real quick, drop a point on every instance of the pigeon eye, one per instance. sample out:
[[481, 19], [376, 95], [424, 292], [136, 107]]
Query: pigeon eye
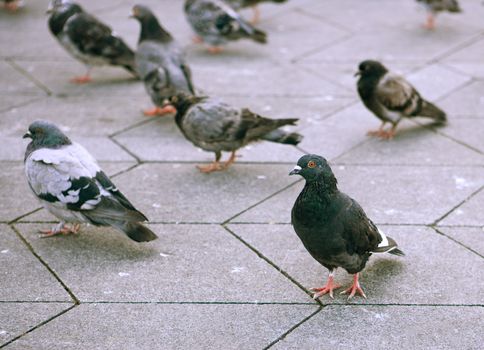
[[311, 164]]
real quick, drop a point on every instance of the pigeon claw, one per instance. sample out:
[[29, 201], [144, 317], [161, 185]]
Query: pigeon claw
[[60, 229], [81, 80], [326, 289], [354, 289], [197, 39], [215, 166], [215, 50], [159, 111]]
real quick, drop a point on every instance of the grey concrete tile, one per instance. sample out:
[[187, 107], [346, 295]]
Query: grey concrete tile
[[77, 116], [469, 53], [180, 193], [14, 83], [393, 44], [427, 274], [166, 327], [475, 70], [8, 102], [102, 148], [413, 144], [107, 80], [24, 278], [469, 213], [467, 130], [443, 328], [182, 265], [471, 237], [18, 318], [24, 201], [389, 194], [468, 101], [435, 81]]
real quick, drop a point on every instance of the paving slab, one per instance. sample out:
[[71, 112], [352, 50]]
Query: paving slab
[[18, 318], [427, 274], [100, 264], [387, 193], [469, 213], [470, 237], [15, 83], [24, 278], [401, 327], [166, 326], [190, 196], [467, 131], [467, 101], [8, 102]]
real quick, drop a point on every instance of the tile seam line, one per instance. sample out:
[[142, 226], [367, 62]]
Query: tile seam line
[[294, 327], [469, 197], [457, 48], [272, 264], [43, 323], [456, 241], [73, 297], [30, 77]]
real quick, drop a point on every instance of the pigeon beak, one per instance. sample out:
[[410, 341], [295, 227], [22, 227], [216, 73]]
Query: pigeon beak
[[357, 74], [28, 135], [296, 170]]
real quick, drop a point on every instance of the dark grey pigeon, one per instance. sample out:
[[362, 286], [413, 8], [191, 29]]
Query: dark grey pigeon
[[239, 4], [216, 126], [160, 62], [391, 98], [435, 6], [333, 227], [70, 185], [216, 23], [87, 39]]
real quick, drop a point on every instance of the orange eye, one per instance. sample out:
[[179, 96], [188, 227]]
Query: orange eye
[[311, 164]]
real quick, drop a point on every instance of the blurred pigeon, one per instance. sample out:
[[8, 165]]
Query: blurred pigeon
[[13, 5], [160, 62], [435, 6], [333, 227], [70, 185], [217, 23], [239, 4], [87, 39], [390, 97], [216, 126]]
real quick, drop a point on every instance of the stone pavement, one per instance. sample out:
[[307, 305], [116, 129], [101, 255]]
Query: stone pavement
[[227, 271]]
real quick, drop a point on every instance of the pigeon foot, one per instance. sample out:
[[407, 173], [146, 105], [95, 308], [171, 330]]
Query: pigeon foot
[[215, 50], [159, 111], [230, 161], [327, 288], [430, 23], [354, 289], [12, 6], [81, 80], [197, 39], [215, 166], [256, 17], [387, 135], [60, 229]]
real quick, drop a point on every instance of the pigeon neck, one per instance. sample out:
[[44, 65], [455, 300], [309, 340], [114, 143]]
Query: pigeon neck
[[324, 185], [51, 143], [183, 104], [59, 18], [151, 30]]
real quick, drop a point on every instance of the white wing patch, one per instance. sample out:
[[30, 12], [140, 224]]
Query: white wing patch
[[384, 239]]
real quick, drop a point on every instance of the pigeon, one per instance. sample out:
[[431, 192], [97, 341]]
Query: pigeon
[[215, 126], [216, 23], [87, 39], [160, 63], [333, 227], [70, 185], [435, 6], [390, 97], [239, 4]]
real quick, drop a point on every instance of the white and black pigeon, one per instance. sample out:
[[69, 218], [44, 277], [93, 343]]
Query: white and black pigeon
[[160, 63], [215, 126], [391, 98], [216, 23], [70, 185], [239, 4], [435, 6], [333, 227], [87, 39]]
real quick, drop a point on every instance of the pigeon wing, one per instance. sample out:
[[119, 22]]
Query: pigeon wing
[[398, 95]]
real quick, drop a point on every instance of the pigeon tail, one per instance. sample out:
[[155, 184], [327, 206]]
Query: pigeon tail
[[280, 136], [388, 245], [131, 68], [432, 111], [259, 36], [136, 231]]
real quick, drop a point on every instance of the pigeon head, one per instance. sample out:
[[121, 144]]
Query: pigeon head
[[150, 27], [314, 168], [62, 6], [183, 101], [45, 135], [371, 68]]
